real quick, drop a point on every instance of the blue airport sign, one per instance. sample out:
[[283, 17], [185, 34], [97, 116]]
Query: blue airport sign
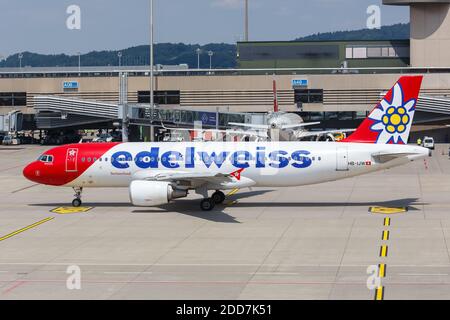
[[70, 85], [208, 118], [299, 83]]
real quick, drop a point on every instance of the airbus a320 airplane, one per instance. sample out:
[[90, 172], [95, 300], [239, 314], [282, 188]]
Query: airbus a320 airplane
[[157, 173]]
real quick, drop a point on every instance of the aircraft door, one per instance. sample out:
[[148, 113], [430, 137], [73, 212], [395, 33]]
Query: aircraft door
[[342, 159], [72, 160]]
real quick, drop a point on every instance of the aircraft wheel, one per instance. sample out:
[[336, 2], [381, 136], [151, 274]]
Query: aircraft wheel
[[207, 204], [218, 197], [76, 203]]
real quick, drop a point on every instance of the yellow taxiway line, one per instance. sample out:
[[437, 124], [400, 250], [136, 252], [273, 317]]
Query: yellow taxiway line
[[379, 293], [384, 251], [12, 234], [382, 270]]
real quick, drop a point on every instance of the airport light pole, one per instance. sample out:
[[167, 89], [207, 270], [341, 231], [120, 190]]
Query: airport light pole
[[119, 54], [79, 62], [246, 21], [199, 52], [20, 60], [210, 54], [152, 100]]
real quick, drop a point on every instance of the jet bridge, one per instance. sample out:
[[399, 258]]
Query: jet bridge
[[54, 112], [433, 104]]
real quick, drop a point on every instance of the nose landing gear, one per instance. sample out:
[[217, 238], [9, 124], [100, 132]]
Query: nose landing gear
[[77, 201]]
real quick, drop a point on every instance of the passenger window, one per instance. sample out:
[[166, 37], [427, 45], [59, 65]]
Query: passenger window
[[95, 159], [89, 159], [83, 159]]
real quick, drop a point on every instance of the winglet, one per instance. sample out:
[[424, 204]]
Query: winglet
[[237, 174]]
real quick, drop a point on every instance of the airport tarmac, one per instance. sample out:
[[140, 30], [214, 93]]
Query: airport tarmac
[[313, 242]]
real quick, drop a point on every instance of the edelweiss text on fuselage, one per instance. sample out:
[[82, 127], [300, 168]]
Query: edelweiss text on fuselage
[[243, 159]]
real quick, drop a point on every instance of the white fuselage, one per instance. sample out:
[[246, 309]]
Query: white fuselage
[[264, 164]]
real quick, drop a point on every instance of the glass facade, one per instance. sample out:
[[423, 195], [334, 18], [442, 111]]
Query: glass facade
[[308, 96], [283, 52], [329, 116], [13, 99], [376, 51], [161, 97]]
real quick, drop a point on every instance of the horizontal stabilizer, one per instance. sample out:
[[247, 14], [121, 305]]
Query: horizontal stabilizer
[[383, 157]]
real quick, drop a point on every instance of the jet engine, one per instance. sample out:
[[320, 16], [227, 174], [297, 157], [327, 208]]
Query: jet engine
[[154, 193]]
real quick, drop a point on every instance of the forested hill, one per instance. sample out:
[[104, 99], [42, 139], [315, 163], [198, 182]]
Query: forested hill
[[179, 53], [395, 32], [224, 56]]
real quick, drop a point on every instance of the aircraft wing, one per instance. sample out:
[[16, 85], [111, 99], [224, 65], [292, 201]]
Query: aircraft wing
[[299, 125], [267, 127], [257, 134], [305, 134], [199, 177], [251, 126]]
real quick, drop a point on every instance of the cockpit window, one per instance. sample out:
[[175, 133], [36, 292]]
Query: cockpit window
[[46, 158]]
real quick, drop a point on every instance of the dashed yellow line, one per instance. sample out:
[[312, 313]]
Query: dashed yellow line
[[384, 251], [382, 270], [12, 234], [379, 293]]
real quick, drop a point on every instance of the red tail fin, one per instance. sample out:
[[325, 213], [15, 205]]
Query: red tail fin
[[275, 97], [390, 122]]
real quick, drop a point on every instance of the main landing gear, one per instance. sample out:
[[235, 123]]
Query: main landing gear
[[208, 204], [218, 197], [77, 201]]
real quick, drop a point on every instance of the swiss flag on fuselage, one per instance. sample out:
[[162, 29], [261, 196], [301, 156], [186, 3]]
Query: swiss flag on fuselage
[[71, 159]]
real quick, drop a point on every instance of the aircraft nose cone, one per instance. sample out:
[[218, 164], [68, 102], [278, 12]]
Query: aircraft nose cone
[[30, 172]]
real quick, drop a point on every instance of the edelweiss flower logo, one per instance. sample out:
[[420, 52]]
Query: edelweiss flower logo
[[392, 119]]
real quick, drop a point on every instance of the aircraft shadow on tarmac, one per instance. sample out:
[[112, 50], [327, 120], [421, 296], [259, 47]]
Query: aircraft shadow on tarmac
[[185, 207], [399, 203], [191, 208]]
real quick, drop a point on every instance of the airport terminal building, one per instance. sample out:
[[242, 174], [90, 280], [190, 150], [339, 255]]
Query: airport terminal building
[[335, 82]]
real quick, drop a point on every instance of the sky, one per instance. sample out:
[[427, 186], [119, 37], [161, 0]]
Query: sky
[[40, 25]]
